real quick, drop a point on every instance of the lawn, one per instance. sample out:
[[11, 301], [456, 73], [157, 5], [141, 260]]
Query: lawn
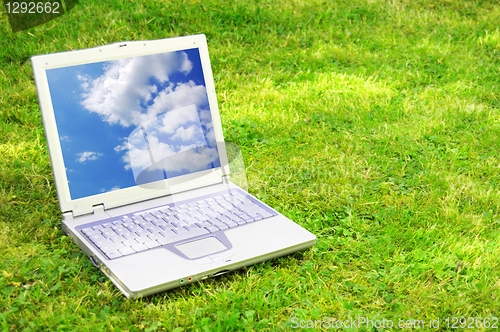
[[375, 124]]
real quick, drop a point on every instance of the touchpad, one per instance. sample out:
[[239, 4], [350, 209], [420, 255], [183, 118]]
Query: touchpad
[[206, 246]]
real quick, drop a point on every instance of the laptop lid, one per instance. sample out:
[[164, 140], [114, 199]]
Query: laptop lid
[[130, 121]]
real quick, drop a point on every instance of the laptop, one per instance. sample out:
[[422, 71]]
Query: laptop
[[142, 171]]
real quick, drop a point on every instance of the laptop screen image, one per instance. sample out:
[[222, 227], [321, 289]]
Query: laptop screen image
[[132, 121]]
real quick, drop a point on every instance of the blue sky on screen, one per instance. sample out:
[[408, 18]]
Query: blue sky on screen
[[132, 121]]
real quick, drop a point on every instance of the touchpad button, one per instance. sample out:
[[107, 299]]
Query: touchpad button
[[203, 247]]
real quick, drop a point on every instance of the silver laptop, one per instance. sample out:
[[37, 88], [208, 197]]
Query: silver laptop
[[141, 168]]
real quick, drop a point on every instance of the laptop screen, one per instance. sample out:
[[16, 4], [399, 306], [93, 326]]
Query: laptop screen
[[132, 121]]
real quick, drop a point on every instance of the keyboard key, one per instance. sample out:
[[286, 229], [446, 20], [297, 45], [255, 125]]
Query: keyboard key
[[183, 216], [128, 223], [130, 243], [151, 244], [167, 233], [134, 228], [155, 237], [109, 235], [191, 227], [202, 218], [101, 244], [264, 214], [110, 246], [246, 218], [126, 251], [165, 227], [231, 224], [222, 226], [258, 210], [147, 225], [240, 222], [212, 228], [159, 222], [148, 217], [113, 254], [224, 219], [122, 231], [130, 236], [87, 230], [96, 238], [180, 230], [116, 238], [234, 217], [139, 247], [255, 216]]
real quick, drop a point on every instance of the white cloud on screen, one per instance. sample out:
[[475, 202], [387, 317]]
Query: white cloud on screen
[[119, 95], [112, 189], [173, 98], [87, 155], [188, 133]]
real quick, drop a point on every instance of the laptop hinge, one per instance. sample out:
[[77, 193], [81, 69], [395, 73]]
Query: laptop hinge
[[98, 208], [67, 216], [225, 179], [95, 209]]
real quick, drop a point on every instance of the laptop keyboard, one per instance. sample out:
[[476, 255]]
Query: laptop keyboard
[[152, 228]]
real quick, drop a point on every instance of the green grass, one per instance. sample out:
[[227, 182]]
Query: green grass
[[374, 124]]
